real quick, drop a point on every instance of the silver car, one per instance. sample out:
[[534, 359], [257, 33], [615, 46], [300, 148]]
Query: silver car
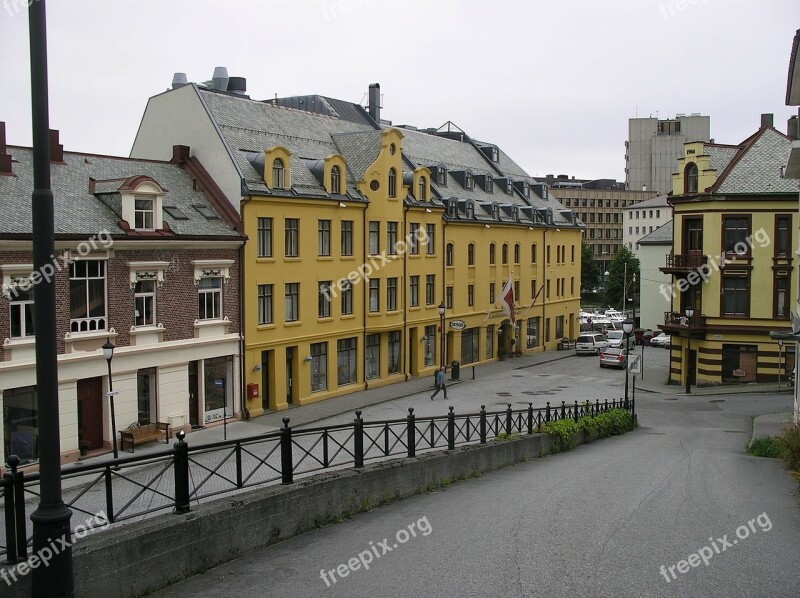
[[613, 358], [590, 344], [616, 339]]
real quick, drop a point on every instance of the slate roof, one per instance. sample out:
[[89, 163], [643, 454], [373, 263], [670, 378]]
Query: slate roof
[[720, 156], [79, 212], [249, 127], [756, 168], [660, 201], [661, 236]]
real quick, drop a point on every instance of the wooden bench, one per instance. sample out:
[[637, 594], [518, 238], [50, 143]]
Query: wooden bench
[[566, 343], [138, 433]]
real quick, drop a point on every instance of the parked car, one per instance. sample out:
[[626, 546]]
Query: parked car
[[642, 336], [613, 358], [617, 339], [662, 340], [590, 344]]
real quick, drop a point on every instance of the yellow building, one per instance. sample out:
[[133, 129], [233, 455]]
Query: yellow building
[[733, 261], [363, 239]]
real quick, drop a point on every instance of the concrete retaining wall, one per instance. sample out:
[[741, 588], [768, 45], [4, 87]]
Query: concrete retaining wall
[[138, 558]]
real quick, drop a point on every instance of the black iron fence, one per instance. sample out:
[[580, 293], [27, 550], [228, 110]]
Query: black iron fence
[[135, 487]]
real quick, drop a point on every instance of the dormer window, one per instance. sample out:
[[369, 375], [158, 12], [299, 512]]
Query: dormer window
[[392, 182], [527, 190], [441, 176], [469, 180], [509, 188], [515, 213], [495, 212], [278, 172], [470, 209], [144, 213], [489, 184], [495, 154], [336, 180], [452, 209], [423, 189]]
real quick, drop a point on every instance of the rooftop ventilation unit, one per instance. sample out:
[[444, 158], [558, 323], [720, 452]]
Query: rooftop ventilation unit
[[179, 80]]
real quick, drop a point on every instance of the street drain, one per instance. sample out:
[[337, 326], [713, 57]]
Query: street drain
[[671, 399], [503, 394], [717, 401]]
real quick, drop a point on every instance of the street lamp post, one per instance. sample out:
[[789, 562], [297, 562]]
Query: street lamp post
[[627, 328], [780, 360], [108, 353], [441, 329], [689, 314]]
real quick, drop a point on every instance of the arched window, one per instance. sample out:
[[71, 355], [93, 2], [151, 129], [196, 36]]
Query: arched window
[[336, 180], [516, 253], [690, 178], [278, 171], [491, 253], [504, 256], [423, 192], [392, 183], [533, 253], [471, 254], [449, 255]]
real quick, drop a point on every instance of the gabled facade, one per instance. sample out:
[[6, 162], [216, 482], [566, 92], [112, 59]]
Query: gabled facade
[[733, 261], [144, 259], [358, 232]]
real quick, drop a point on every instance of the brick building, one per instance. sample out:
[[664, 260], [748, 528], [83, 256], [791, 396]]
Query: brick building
[[146, 258]]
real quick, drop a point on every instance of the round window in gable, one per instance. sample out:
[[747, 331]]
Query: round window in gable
[[374, 185], [392, 149]]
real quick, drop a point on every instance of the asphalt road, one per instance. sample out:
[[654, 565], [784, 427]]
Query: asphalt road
[[600, 520]]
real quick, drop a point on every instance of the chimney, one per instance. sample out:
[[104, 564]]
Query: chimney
[[5, 157], [220, 78], [56, 149], [766, 120], [179, 80], [180, 153], [793, 127], [375, 102], [237, 85]]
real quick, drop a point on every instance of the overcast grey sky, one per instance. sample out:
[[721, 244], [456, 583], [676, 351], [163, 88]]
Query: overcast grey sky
[[552, 82]]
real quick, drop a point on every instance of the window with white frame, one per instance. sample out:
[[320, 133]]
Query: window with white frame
[[392, 183], [374, 295], [144, 213], [430, 289], [87, 296], [414, 291], [430, 233], [265, 304], [413, 241], [374, 237], [336, 180], [209, 296], [391, 238], [423, 189], [21, 311], [144, 300], [347, 237], [278, 174], [391, 294]]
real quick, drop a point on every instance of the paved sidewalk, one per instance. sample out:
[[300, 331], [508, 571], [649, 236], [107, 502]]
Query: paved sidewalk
[[656, 373]]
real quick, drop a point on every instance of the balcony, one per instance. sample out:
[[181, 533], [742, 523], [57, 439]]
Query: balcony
[[681, 263], [676, 322]]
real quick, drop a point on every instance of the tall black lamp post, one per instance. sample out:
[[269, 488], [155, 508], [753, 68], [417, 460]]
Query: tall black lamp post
[[689, 314], [627, 328], [51, 519], [441, 335], [108, 353], [780, 360]]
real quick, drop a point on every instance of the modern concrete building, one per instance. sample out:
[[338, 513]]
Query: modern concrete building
[[654, 145], [643, 218]]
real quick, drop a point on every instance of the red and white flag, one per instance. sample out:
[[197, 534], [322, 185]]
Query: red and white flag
[[507, 301]]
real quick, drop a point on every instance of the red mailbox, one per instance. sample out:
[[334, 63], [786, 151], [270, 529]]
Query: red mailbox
[[252, 391]]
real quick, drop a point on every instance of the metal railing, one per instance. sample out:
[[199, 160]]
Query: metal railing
[[135, 487]]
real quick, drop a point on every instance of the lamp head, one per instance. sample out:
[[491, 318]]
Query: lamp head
[[689, 312], [441, 309], [627, 326], [108, 350]]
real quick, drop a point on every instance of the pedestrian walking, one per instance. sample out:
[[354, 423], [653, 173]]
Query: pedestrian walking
[[440, 385]]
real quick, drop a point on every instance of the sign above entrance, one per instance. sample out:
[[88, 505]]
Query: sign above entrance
[[458, 324]]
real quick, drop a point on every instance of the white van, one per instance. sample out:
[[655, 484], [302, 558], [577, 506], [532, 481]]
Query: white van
[[590, 344]]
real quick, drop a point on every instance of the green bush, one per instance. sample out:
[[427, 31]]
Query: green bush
[[766, 446], [791, 445], [612, 422]]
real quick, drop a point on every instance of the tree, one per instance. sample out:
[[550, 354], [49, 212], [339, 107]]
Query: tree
[[590, 270], [616, 278]]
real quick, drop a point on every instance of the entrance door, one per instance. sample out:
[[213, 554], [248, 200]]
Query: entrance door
[[265, 390], [90, 412], [194, 402], [289, 374], [692, 363], [693, 240]]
